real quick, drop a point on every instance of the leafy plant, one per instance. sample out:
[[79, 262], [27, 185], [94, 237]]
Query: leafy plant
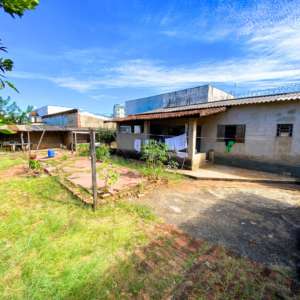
[[18, 7], [83, 150], [102, 153], [156, 156], [111, 176], [35, 165], [106, 135], [64, 157]]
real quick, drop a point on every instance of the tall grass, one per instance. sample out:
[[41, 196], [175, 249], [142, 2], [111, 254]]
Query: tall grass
[[72, 256]]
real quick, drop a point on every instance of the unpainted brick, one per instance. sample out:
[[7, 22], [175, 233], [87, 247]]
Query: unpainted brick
[[140, 254]]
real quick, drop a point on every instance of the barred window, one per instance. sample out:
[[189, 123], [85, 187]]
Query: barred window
[[284, 130]]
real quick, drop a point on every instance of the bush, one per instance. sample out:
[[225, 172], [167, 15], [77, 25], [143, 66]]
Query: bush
[[156, 156], [102, 153], [83, 150], [107, 135]]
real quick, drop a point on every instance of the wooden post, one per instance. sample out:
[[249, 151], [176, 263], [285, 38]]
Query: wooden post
[[22, 141], [28, 141], [75, 141], [94, 170], [39, 142], [72, 142]]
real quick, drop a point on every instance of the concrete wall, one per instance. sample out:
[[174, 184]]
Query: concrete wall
[[261, 143], [201, 94], [86, 121]]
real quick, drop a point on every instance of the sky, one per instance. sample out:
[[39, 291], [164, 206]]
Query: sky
[[93, 54]]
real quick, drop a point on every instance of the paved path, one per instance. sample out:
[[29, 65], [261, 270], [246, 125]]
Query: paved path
[[246, 217], [226, 173]]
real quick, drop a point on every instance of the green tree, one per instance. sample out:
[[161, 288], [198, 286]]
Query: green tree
[[11, 114], [18, 7]]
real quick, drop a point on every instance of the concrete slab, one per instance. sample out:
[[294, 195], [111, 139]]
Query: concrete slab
[[225, 173]]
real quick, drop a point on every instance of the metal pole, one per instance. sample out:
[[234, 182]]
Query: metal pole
[[94, 170]]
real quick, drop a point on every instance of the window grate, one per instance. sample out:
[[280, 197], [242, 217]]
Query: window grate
[[284, 130]]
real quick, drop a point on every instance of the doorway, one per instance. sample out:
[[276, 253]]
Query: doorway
[[198, 138]]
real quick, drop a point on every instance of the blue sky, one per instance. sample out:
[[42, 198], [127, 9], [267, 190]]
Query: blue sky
[[92, 54]]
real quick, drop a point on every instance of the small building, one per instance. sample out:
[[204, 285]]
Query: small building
[[259, 133], [71, 118], [52, 137]]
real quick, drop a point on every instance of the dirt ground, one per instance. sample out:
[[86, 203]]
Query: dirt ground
[[257, 221]]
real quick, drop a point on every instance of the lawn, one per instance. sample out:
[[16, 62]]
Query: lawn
[[53, 247]]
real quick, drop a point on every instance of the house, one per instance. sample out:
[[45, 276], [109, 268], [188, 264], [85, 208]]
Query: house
[[67, 117], [264, 132]]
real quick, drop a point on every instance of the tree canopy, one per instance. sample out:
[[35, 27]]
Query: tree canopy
[[18, 7]]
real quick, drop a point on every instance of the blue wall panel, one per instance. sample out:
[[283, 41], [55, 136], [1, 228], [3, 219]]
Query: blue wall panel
[[57, 121], [145, 104]]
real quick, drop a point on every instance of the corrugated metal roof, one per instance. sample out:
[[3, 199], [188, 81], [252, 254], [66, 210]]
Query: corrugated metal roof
[[19, 128], [170, 115], [241, 101]]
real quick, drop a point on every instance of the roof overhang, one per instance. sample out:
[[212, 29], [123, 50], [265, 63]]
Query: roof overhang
[[197, 113]]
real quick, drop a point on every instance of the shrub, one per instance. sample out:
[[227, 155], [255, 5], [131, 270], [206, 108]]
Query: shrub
[[102, 153], [156, 156], [83, 150], [111, 176], [107, 135], [64, 157], [35, 165]]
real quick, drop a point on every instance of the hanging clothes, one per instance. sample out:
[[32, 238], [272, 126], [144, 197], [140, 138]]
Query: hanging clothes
[[229, 145], [180, 142], [170, 143], [182, 154], [137, 145]]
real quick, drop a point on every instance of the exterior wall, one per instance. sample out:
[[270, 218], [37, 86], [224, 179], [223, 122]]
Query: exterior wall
[[86, 121], [72, 120], [261, 143], [201, 94], [57, 121], [50, 109]]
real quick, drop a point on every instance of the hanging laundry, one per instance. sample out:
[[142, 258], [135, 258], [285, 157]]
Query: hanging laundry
[[146, 142], [180, 142], [170, 143], [230, 143], [137, 145], [182, 154]]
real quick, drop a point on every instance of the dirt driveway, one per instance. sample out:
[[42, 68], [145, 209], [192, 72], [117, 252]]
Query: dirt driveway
[[257, 221]]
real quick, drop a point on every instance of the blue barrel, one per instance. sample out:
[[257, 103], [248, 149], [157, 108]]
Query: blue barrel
[[50, 153]]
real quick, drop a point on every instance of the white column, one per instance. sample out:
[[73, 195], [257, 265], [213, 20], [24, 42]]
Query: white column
[[192, 139]]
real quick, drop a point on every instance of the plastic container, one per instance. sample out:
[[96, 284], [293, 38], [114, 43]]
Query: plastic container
[[50, 153], [60, 145]]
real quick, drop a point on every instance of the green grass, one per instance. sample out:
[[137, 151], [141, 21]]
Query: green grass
[[10, 160], [76, 254]]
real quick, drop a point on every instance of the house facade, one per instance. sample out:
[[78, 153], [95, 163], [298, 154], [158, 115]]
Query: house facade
[[264, 132]]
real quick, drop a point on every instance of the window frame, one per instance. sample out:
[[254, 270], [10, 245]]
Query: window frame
[[238, 140], [290, 132]]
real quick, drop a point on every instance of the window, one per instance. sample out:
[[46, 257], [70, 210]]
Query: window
[[176, 130], [284, 130], [126, 129], [231, 132]]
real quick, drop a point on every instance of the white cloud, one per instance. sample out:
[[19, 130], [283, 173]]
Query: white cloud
[[103, 96]]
